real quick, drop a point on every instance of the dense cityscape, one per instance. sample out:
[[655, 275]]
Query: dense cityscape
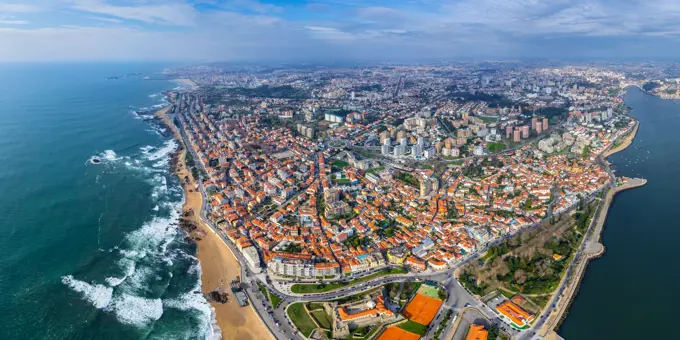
[[400, 202]]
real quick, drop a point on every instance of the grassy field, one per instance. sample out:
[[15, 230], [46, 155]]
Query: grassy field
[[263, 290], [505, 293], [340, 164], [375, 170], [356, 297], [302, 321], [273, 298], [429, 291], [305, 288], [496, 147], [322, 318], [409, 179], [413, 327], [341, 180], [488, 119], [362, 333], [314, 305]]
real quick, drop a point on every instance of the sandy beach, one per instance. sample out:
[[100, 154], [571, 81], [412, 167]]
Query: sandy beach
[[186, 82], [624, 144], [219, 267]]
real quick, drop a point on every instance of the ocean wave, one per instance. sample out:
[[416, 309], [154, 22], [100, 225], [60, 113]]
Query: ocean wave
[[146, 148], [163, 152], [97, 294], [194, 300], [160, 186], [140, 280], [138, 291], [136, 310], [107, 155], [154, 232]]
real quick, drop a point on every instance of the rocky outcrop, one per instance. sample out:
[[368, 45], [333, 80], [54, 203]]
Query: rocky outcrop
[[218, 296]]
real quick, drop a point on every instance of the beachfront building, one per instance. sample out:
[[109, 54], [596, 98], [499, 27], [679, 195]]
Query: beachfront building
[[252, 257], [293, 265]]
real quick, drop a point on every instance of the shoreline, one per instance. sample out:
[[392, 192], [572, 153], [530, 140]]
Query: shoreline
[[186, 82], [557, 316], [218, 265], [624, 144]]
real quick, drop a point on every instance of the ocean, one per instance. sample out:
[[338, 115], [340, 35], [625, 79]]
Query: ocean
[[92, 251], [628, 293]]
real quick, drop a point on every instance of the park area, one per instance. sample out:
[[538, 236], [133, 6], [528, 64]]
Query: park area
[[531, 263], [306, 288], [301, 319]]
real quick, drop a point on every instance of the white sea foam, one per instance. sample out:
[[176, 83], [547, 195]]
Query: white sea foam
[[136, 310], [146, 148], [139, 280], [168, 147], [194, 300], [160, 186], [115, 281], [152, 233], [109, 155], [148, 253], [128, 265], [98, 295]]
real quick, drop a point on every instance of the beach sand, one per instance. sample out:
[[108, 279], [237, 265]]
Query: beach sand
[[186, 82], [624, 144], [219, 266]]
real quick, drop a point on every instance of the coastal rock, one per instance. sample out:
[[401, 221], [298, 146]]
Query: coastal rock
[[218, 296], [187, 225]]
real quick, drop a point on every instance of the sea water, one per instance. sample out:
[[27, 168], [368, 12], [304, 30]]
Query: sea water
[[92, 249]]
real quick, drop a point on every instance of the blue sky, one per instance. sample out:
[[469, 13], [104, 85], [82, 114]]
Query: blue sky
[[336, 30]]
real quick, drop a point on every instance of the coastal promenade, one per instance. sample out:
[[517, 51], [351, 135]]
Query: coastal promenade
[[591, 249], [556, 309], [624, 143]]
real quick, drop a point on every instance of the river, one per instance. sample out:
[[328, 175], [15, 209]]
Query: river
[[628, 293]]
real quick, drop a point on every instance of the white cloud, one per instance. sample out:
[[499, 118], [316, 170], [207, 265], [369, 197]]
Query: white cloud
[[319, 28], [18, 8], [110, 20], [493, 28], [180, 14], [14, 22]]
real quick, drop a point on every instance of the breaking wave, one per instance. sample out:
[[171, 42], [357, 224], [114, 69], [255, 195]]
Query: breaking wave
[[96, 294], [140, 285]]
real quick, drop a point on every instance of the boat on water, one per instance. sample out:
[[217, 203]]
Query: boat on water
[[95, 160]]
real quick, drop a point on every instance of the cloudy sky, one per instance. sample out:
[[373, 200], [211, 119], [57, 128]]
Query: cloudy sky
[[371, 30]]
